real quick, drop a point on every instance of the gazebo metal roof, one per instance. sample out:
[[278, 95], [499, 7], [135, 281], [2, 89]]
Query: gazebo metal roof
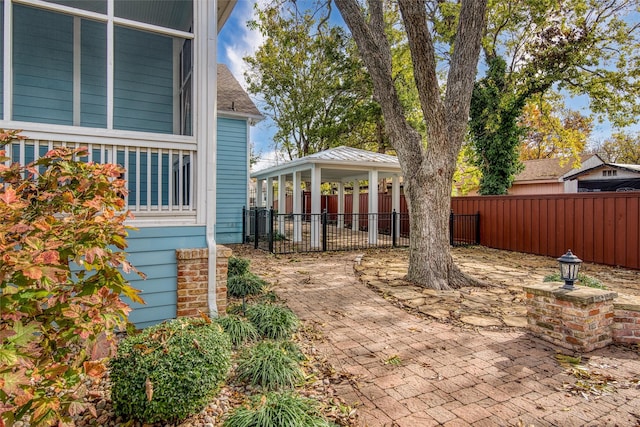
[[337, 164]]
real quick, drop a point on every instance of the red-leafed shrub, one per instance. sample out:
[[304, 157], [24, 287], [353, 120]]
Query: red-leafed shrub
[[62, 234]]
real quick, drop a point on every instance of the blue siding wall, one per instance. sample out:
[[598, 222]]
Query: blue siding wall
[[1, 62], [231, 179], [43, 66], [153, 251], [143, 85], [93, 79]]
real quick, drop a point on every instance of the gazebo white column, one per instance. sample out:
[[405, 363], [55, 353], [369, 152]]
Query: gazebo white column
[[269, 193], [355, 210], [297, 207], [259, 184], [395, 201], [340, 223], [282, 202], [316, 206], [373, 207]]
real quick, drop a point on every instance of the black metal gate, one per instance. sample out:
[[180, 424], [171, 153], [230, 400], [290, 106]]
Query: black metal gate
[[268, 230]]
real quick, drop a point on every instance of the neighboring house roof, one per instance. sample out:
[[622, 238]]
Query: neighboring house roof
[[547, 169], [232, 98], [620, 166]]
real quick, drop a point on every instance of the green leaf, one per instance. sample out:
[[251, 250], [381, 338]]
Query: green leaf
[[8, 355], [24, 334]]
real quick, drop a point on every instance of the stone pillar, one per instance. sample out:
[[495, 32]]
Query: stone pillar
[[579, 319], [192, 266]]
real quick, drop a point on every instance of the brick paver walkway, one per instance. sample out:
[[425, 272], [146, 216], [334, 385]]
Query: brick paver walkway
[[411, 371]]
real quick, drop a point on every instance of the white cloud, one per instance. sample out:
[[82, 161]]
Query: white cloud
[[244, 43], [267, 160]]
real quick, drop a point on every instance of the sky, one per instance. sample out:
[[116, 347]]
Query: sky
[[236, 41]]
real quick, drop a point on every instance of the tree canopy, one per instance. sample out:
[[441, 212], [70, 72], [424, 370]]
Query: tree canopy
[[620, 148], [310, 81], [552, 130], [572, 47]]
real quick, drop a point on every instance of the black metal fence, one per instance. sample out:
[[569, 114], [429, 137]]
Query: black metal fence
[[286, 233]]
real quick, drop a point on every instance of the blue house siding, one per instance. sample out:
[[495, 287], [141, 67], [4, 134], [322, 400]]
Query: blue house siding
[[143, 81], [231, 179], [152, 251], [42, 66], [93, 79]]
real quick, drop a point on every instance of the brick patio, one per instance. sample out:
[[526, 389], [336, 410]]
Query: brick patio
[[446, 375]]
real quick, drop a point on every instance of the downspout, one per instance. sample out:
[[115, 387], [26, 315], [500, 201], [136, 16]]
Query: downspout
[[208, 117], [211, 170]]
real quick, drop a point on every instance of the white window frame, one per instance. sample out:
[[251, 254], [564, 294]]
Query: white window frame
[[111, 20]]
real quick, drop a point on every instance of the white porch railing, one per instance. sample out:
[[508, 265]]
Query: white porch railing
[[160, 181]]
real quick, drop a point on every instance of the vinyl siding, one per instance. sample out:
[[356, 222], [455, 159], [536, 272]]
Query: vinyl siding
[[143, 81], [93, 79], [152, 251], [2, 61], [231, 179], [43, 66]]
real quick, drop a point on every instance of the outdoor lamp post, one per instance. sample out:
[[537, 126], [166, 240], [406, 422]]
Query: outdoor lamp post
[[569, 267]]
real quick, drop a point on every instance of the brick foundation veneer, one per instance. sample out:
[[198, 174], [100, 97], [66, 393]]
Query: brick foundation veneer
[[626, 320], [580, 319], [193, 280]]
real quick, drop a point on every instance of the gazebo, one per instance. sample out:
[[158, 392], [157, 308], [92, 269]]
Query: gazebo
[[341, 165]]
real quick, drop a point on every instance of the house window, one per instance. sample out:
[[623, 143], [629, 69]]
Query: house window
[[609, 172], [186, 70], [63, 74]]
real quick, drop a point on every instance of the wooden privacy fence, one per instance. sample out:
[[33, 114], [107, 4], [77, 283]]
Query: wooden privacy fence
[[598, 227]]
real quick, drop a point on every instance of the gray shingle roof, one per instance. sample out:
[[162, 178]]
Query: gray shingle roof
[[232, 98], [546, 169]]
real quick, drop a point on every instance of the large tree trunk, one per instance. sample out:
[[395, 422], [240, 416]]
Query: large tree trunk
[[428, 172]]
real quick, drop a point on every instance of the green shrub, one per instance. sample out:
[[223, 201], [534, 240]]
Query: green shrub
[[235, 308], [273, 321], [583, 280], [62, 241], [292, 349], [269, 297], [237, 266], [239, 330], [269, 365], [244, 285], [277, 410], [169, 371]]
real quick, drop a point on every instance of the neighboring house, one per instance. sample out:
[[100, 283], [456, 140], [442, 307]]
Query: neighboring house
[[551, 176], [545, 176], [604, 177], [136, 82]]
